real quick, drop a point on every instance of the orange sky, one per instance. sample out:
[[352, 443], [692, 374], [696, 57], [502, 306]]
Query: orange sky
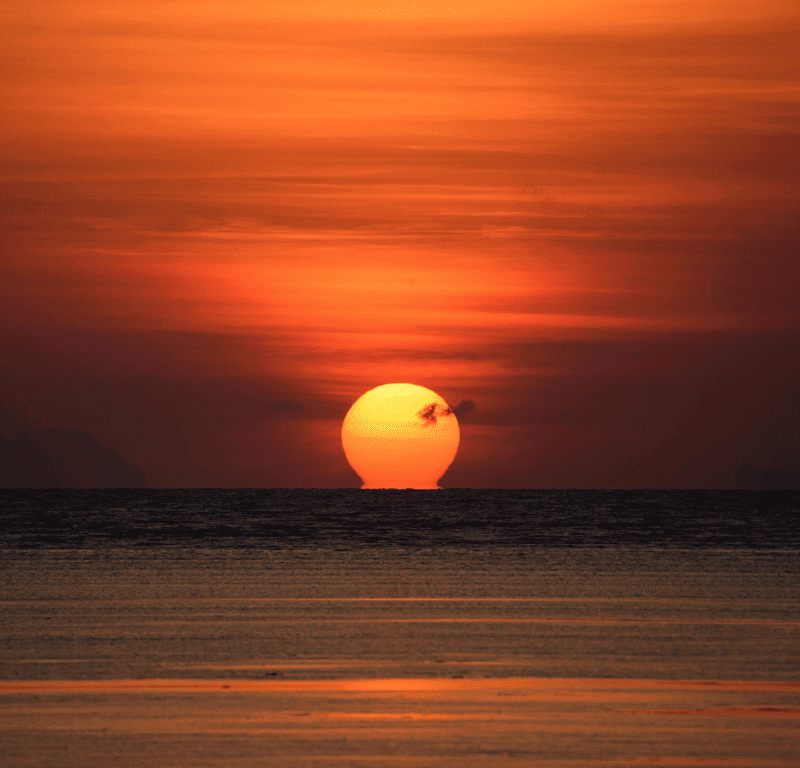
[[223, 222]]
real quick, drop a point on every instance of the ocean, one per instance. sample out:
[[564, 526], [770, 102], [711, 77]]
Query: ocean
[[252, 627]]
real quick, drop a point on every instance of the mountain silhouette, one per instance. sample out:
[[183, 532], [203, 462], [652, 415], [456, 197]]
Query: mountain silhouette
[[62, 458]]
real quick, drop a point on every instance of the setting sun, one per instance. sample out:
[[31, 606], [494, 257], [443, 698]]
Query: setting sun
[[400, 436]]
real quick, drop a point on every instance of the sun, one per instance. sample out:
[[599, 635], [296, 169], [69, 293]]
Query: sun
[[400, 436]]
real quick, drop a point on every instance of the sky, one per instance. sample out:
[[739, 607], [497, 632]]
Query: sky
[[224, 222]]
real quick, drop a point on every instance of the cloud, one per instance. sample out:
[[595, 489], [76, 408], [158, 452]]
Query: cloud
[[462, 409], [430, 413]]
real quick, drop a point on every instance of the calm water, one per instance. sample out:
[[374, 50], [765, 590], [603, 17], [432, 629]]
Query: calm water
[[489, 595], [350, 520]]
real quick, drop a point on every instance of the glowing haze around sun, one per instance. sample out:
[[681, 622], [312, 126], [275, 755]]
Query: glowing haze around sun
[[400, 436]]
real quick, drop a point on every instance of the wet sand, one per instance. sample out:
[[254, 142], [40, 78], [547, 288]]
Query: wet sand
[[407, 721]]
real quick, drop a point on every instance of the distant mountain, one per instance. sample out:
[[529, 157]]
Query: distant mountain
[[771, 479], [62, 458]]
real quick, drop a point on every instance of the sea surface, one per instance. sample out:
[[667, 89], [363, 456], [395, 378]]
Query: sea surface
[[429, 628]]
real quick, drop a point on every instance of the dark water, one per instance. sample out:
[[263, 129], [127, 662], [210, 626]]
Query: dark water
[[404, 591], [248, 583], [481, 520]]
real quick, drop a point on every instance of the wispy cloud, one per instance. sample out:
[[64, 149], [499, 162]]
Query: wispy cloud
[[320, 200]]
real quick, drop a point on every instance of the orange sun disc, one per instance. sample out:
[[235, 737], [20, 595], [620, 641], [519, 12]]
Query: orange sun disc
[[400, 436]]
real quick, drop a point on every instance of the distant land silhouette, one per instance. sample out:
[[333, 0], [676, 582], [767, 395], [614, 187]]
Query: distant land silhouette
[[62, 458], [770, 479]]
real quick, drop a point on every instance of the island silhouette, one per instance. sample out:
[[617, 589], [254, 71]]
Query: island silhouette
[[62, 458]]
